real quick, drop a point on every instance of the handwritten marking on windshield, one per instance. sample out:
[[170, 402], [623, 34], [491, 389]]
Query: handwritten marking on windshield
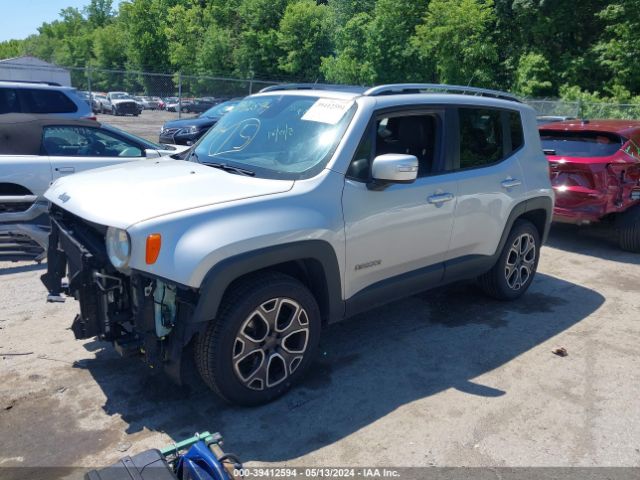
[[280, 133]]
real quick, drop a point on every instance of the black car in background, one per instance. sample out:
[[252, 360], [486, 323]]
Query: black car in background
[[187, 131]]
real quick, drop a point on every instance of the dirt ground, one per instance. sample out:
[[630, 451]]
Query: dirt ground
[[147, 125], [446, 378]]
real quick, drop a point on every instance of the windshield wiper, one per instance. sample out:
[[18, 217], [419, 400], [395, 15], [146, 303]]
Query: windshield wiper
[[231, 169]]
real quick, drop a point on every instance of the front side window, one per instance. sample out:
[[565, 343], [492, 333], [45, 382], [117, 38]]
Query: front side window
[[410, 134], [480, 137], [67, 141], [277, 136], [45, 101]]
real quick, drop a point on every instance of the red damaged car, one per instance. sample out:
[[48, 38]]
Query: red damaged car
[[595, 172]]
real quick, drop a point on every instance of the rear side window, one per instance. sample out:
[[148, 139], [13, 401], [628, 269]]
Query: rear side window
[[45, 101], [481, 139], [580, 144]]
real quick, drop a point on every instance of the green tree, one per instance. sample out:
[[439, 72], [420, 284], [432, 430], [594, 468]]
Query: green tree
[[617, 51], [304, 37], [350, 65], [533, 76], [389, 50], [11, 48], [456, 36]]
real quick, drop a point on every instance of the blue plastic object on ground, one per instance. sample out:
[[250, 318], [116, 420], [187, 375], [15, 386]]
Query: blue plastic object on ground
[[199, 463]]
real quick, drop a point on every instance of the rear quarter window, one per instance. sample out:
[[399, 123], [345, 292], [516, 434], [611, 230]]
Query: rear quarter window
[[580, 144], [45, 101]]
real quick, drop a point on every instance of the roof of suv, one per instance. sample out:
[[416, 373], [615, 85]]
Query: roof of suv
[[621, 127], [41, 85], [392, 89]]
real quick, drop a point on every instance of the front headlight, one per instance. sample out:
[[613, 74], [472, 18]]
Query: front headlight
[[193, 129], [118, 247]]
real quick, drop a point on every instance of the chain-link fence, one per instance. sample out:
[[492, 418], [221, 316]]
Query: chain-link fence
[[586, 109], [168, 96]]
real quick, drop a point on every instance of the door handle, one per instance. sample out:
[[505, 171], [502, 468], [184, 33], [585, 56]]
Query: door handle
[[440, 198], [65, 169], [510, 182]]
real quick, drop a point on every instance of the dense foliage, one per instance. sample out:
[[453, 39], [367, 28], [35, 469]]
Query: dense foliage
[[537, 48]]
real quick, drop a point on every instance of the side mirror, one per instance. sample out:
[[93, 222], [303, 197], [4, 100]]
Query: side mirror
[[151, 153], [393, 168]]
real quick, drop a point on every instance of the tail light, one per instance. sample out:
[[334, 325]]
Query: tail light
[[90, 118]]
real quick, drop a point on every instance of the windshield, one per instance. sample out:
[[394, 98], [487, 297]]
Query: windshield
[[580, 143], [146, 143], [119, 96], [284, 137], [220, 109]]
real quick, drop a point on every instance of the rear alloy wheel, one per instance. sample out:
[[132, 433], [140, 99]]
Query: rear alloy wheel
[[262, 341], [513, 273]]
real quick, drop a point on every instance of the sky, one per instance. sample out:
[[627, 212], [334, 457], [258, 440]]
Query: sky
[[21, 18]]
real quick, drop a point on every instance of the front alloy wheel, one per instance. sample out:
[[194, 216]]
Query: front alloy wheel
[[262, 340], [271, 343]]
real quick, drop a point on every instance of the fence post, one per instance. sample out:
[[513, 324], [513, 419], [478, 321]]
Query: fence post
[[88, 74], [580, 112], [179, 95]]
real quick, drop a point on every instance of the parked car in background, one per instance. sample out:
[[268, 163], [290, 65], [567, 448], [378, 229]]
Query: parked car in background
[[148, 103], [97, 104], [544, 119], [302, 206], [595, 172], [42, 98], [199, 105], [187, 131], [160, 101], [36, 150], [121, 103], [175, 105]]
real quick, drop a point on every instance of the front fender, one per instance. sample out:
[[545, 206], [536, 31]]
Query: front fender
[[218, 279]]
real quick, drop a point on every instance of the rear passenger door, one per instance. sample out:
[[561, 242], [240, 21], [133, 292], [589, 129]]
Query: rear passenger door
[[73, 149], [490, 178]]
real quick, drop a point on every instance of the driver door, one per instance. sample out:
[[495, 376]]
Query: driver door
[[74, 149]]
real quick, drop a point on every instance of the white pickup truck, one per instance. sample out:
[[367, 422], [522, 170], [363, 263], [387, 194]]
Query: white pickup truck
[[35, 150]]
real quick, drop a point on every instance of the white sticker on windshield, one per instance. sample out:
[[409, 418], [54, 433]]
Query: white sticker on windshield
[[327, 110]]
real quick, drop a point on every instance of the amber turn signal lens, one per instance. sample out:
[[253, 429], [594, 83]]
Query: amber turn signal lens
[[154, 242]]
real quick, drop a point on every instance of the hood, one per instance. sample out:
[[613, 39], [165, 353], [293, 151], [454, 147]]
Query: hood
[[122, 195], [190, 122], [123, 100]]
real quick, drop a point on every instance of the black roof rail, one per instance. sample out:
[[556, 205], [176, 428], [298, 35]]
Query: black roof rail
[[38, 82], [407, 88], [314, 86]]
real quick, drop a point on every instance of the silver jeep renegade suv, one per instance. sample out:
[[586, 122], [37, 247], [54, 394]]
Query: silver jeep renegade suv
[[302, 206]]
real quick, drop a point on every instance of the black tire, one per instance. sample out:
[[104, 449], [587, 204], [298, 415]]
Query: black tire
[[628, 224], [504, 284], [229, 360]]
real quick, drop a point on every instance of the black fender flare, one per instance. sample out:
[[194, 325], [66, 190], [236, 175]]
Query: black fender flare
[[221, 275], [530, 205]]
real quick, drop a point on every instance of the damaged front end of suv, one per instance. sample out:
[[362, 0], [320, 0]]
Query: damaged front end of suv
[[138, 313]]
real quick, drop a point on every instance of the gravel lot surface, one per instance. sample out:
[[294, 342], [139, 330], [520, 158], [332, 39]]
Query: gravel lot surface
[[447, 378], [147, 125]]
